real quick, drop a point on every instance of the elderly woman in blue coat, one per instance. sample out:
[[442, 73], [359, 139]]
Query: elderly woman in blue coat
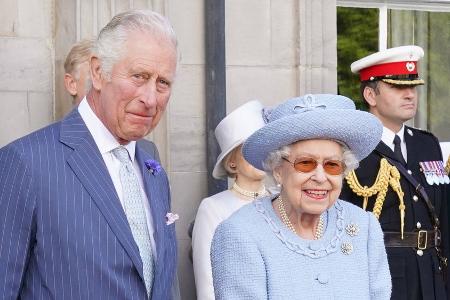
[[303, 242]]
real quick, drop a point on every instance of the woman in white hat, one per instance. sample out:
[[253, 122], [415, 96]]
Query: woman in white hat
[[248, 184], [305, 243]]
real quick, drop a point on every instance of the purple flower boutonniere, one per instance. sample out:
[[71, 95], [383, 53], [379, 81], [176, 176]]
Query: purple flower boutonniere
[[153, 166], [171, 218]]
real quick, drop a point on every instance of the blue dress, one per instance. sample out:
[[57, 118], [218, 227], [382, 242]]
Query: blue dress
[[255, 256]]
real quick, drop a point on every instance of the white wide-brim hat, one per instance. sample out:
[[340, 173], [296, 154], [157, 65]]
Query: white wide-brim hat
[[309, 117], [234, 129]]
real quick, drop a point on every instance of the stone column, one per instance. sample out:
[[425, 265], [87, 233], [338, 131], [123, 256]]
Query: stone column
[[317, 46]]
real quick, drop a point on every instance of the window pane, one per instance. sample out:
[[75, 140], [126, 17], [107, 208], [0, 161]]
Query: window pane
[[430, 31], [357, 36]]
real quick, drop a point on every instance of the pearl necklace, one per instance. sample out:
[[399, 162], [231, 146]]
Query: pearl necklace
[[248, 193], [284, 217]]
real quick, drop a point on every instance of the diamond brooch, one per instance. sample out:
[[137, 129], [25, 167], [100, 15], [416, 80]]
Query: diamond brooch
[[352, 229], [346, 248]]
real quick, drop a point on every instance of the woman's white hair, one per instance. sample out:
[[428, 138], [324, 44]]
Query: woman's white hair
[[109, 45], [275, 158]]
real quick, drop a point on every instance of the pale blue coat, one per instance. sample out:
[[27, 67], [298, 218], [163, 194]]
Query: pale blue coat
[[254, 256]]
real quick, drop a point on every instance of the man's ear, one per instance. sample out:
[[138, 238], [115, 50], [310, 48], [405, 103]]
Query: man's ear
[[370, 96], [96, 73], [70, 83]]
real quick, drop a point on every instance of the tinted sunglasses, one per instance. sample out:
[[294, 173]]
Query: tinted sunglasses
[[308, 164]]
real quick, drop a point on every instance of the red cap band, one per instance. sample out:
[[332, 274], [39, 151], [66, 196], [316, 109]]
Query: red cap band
[[394, 68]]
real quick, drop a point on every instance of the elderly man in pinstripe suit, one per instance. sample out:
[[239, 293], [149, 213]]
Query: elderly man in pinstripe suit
[[84, 210]]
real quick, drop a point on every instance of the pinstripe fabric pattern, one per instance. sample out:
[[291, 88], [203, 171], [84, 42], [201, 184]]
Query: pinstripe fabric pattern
[[63, 232]]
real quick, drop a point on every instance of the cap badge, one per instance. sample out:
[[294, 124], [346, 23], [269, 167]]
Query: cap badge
[[410, 66], [309, 103]]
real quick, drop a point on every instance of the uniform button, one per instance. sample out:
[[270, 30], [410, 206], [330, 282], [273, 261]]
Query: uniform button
[[322, 278], [415, 198], [409, 172], [418, 225], [419, 252]]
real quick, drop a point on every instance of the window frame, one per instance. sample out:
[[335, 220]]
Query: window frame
[[384, 5]]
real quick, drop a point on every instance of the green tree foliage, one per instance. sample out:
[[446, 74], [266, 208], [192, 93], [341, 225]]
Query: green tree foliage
[[357, 30], [439, 75]]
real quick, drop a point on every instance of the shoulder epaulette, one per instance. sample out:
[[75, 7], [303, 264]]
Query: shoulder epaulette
[[421, 130], [413, 130]]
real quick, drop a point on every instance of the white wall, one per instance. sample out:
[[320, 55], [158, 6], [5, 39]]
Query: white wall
[[26, 72]]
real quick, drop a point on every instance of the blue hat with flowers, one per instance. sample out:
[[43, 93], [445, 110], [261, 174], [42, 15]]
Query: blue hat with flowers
[[323, 116]]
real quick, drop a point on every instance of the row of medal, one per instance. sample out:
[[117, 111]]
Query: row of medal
[[434, 172]]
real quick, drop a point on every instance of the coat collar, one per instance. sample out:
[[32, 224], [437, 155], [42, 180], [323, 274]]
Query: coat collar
[[384, 150], [413, 144]]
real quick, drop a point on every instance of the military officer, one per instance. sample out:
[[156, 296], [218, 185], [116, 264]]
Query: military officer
[[403, 180]]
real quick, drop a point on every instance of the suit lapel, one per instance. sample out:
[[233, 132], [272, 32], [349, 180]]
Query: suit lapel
[[89, 167], [156, 194]]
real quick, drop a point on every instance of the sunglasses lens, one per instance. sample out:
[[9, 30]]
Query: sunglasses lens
[[305, 165], [333, 167]]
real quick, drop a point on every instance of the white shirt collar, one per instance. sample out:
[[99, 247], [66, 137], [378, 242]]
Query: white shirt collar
[[388, 136], [102, 136]]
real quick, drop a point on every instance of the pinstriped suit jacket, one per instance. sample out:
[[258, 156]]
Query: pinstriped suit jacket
[[63, 232]]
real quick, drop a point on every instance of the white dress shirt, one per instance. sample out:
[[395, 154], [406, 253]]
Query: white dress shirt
[[388, 138], [106, 142]]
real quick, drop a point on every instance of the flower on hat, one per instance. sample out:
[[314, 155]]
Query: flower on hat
[[171, 218], [153, 166], [308, 103]]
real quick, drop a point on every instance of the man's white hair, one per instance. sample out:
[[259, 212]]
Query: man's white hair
[[109, 45]]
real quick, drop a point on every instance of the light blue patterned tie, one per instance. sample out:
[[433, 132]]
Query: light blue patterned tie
[[134, 210]]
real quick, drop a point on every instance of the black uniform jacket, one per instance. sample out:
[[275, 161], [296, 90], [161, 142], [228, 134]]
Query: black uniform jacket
[[413, 276]]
